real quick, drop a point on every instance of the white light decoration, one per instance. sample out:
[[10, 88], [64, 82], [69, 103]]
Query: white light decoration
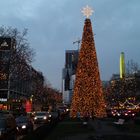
[[87, 11], [133, 105]]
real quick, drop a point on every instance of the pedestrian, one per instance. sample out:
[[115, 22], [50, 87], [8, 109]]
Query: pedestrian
[[86, 118], [78, 116]]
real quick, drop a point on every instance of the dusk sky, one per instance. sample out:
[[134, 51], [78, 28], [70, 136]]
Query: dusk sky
[[53, 25]]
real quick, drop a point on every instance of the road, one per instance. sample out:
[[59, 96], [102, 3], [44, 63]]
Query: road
[[36, 127], [40, 132]]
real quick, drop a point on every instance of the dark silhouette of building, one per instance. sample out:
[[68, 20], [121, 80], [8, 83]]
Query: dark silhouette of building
[[17, 81], [68, 74]]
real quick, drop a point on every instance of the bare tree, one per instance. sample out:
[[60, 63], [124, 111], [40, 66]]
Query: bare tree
[[22, 55], [132, 67], [23, 49]]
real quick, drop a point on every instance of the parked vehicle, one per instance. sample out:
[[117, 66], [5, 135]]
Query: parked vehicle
[[116, 113], [24, 125], [128, 114], [5, 113], [7, 128], [125, 114]]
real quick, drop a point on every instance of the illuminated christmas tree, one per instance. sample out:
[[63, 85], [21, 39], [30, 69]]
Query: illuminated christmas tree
[[88, 94]]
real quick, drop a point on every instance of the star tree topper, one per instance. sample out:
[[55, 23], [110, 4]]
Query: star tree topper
[[87, 11]]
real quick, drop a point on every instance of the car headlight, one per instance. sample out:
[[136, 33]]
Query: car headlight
[[133, 114], [35, 118], [17, 128], [119, 114], [44, 117], [23, 126], [126, 114]]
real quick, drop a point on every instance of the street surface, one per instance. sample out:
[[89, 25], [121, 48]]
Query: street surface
[[36, 126]]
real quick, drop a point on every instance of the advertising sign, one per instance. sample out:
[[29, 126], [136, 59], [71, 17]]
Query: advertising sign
[[5, 43], [28, 106]]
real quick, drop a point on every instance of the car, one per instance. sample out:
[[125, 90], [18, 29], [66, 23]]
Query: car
[[8, 128], [124, 113], [5, 113], [24, 125], [53, 115], [128, 114], [42, 117], [109, 113]]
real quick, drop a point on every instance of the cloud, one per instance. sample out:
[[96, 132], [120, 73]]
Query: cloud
[[53, 26]]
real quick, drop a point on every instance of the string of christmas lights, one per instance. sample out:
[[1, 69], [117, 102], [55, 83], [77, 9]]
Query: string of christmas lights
[[123, 90]]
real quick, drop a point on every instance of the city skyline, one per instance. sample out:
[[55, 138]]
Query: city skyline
[[53, 26]]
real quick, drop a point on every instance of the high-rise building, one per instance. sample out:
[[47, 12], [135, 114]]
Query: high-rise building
[[68, 74], [122, 65]]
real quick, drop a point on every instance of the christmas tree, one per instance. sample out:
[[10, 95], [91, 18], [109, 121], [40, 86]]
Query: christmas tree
[[88, 94]]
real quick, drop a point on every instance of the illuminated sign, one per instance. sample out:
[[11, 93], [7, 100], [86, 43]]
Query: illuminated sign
[[28, 106], [3, 76], [5, 43], [3, 99]]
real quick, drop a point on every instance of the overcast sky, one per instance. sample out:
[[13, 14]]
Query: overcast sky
[[53, 25]]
